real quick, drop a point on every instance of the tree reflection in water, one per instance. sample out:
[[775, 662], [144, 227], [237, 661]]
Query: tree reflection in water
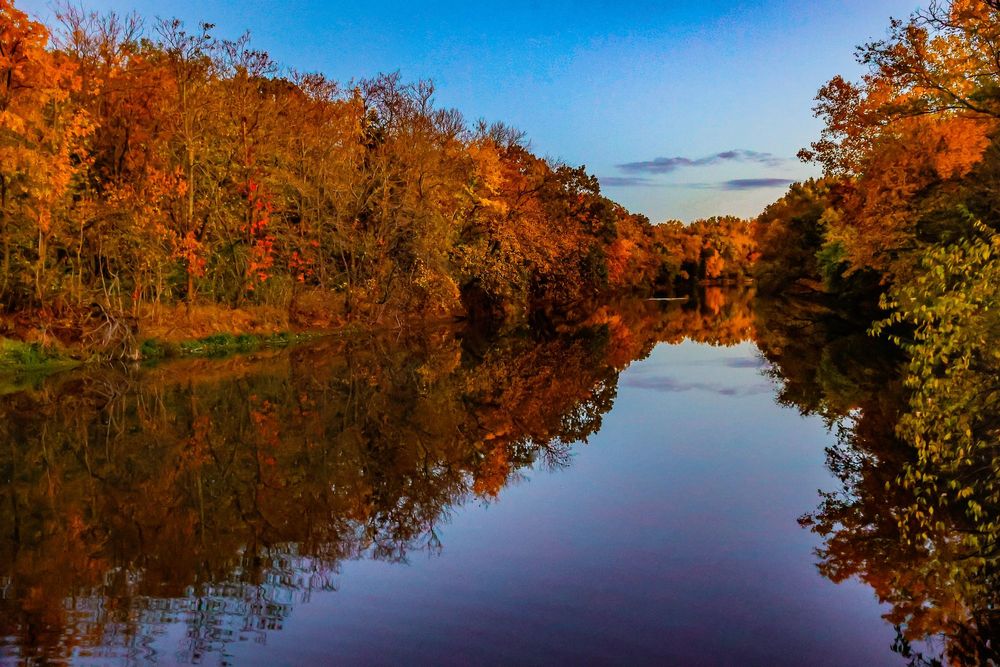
[[892, 523], [218, 495]]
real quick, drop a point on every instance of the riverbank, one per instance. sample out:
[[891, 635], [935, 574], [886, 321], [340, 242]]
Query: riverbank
[[43, 344], [19, 357], [22, 357], [39, 344]]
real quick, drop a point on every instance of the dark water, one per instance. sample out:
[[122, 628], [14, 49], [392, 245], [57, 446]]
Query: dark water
[[629, 491]]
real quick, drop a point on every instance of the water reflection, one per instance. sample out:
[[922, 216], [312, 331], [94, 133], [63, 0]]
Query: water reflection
[[220, 494], [936, 573], [196, 504]]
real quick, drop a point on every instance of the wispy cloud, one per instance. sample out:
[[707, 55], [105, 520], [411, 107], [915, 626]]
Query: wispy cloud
[[672, 385], [666, 165], [757, 362], [738, 184], [755, 183], [745, 362], [626, 181]]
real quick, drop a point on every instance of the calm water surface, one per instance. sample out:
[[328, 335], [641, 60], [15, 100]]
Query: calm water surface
[[628, 492]]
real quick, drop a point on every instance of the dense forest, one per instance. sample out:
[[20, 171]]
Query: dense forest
[[153, 173]]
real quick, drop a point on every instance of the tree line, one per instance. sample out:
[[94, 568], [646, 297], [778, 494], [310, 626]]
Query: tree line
[[148, 165]]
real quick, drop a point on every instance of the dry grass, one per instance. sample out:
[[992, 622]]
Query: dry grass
[[174, 324]]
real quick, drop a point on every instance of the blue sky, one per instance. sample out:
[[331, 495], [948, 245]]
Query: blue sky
[[683, 109]]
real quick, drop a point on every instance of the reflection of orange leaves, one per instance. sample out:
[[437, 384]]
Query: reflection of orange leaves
[[306, 405], [724, 318], [715, 299], [500, 427], [265, 422], [624, 345], [75, 526], [198, 450], [375, 440], [491, 476]]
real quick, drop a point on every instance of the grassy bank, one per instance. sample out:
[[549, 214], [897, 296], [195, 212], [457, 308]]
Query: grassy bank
[[219, 345], [20, 357], [22, 364], [20, 360]]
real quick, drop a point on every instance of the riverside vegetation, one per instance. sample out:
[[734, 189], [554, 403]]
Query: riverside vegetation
[[159, 183]]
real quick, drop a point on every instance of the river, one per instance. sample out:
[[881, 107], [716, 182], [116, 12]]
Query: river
[[640, 489]]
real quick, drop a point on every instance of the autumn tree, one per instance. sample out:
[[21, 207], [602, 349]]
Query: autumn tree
[[41, 144], [190, 114]]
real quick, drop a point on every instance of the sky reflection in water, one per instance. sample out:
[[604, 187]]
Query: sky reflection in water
[[671, 535]]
